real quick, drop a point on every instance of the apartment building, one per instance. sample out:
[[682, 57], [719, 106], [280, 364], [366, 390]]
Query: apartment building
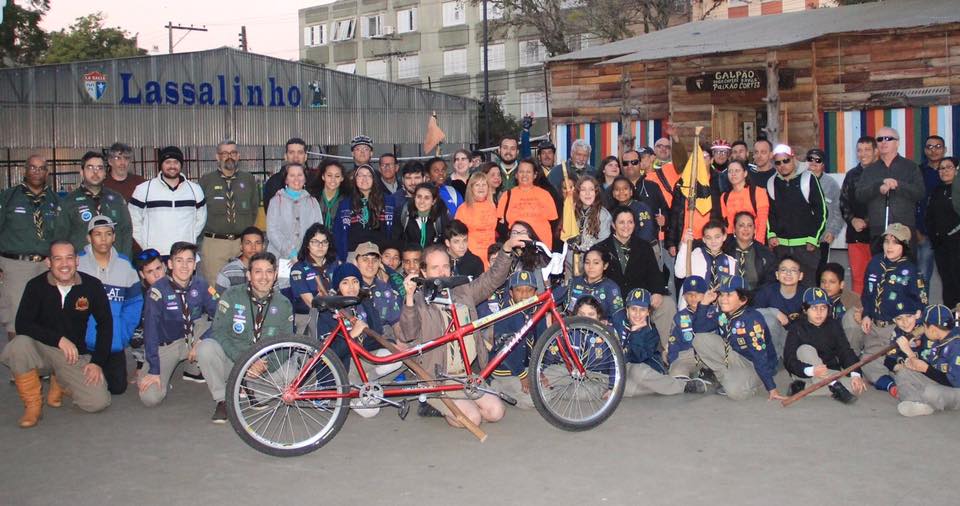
[[729, 9], [434, 44]]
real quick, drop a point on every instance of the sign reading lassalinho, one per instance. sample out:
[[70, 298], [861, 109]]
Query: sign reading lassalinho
[[728, 80]]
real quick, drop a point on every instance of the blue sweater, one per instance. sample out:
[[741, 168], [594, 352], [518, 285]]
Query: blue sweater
[[124, 293]]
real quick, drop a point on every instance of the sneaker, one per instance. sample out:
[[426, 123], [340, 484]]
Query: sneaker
[[893, 392], [841, 393], [220, 413], [708, 375], [196, 378], [797, 386], [426, 410], [695, 386], [912, 408], [721, 391]]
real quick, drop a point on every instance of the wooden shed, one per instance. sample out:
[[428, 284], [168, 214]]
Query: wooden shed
[[829, 75]]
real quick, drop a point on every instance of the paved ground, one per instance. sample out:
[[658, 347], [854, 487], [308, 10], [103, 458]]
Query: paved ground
[[654, 450]]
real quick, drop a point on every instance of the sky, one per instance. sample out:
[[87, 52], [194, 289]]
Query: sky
[[272, 31]]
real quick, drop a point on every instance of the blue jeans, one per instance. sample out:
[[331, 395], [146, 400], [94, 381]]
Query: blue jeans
[[925, 260]]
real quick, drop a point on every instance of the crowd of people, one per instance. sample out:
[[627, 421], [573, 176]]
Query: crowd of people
[[711, 281]]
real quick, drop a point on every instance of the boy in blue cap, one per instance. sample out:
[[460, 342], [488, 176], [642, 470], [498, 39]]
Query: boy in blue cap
[[699, 315], [816, 348], [932, 384], [911, 341], [510, 377], [645, 371], [739, 353]]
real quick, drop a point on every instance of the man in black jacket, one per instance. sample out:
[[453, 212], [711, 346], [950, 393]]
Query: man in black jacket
[[854, 212], [51, 329]]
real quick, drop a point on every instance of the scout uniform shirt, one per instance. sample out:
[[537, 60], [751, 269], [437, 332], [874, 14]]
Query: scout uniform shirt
[[232, 202], [169, 312], [27, 221], [890, 287], [81, 205], [242, 320]]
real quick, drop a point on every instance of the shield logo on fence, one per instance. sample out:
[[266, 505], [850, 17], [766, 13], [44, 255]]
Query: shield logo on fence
[[95, 84]]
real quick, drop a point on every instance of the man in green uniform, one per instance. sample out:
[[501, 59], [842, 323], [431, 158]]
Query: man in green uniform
[[245, 314], [27, 227], [91, 199], [232, 203]]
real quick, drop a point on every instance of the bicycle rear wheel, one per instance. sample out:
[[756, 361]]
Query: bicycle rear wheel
[[566, 399], [258, 413]]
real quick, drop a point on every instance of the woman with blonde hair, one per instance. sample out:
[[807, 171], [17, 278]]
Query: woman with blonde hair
[[479, 214]]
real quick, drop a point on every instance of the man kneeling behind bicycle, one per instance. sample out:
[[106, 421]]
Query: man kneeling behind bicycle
[[424, 321]]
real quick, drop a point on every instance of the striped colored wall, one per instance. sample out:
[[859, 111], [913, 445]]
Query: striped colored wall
[[604, 138], [840, 130]]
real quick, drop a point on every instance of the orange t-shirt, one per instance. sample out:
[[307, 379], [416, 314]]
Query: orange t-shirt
[[481, 220], [735, 201], [533, 205]]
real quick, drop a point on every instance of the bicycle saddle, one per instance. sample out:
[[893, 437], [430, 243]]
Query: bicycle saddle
[[334, 302], [443, 283]]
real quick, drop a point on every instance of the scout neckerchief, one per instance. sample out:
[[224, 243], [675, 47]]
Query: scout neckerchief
[[228, 195], [184, 308], [713, 259], [837, 308], [37, 200], [726, 329], [422, 221], [94, 197], [258, 309], [364, 211], [330, 206], [623, 254]]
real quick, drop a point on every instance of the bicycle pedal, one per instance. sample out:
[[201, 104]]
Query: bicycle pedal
[[506, 398], [404, 410]]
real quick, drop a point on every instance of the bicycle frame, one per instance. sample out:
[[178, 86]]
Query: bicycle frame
[[546, 306]]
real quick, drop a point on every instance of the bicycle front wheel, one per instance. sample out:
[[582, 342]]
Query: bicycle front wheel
[[260, 416], [564, 397]]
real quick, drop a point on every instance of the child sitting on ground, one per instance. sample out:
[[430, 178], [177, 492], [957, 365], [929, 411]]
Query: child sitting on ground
[[699, 315], [510, 377]]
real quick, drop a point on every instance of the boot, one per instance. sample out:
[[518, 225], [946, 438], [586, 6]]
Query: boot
[[28, 386], [56, 393]]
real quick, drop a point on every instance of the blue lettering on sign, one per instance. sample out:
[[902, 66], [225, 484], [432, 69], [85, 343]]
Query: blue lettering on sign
[[208, 93]]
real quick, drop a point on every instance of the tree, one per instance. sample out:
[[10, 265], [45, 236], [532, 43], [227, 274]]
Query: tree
[[88, 39], [22, 41], [502, 124]]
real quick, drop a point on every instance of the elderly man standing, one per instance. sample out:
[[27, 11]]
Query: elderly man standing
[[28, 214], [51, 328], [119, 178], [578, 165], [91, 199], [232, 204], [891, 187]]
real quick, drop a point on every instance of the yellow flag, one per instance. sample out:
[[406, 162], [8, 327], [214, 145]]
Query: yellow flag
[[696, 164], [569, 224]]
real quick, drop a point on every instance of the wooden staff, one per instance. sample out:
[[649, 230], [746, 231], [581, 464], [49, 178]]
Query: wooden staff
[[422, 373], [692, 194], [834, 377]]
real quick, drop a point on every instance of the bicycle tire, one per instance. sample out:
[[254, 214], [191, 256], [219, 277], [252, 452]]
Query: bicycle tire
[[544, 360], [249, 401]]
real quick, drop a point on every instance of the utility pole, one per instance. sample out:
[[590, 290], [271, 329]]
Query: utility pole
[[171, 27], [243, 38], [486, 82]]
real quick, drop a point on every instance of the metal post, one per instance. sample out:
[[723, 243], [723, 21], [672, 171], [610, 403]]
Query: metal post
[[170, 35], [486, 81]]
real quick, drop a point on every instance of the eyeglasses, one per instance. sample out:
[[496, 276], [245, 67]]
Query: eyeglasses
[[887, 138], [147, 255], [631, 162], [782, 162], [36, 168], [229, 153], [98, 168], [121, 157], [789, 271], [934, 146], [946, 167], [815, 159], [515, 233], [319, 242], [661, 145]]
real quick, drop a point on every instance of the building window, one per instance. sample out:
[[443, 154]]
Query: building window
[[496, 54], [315, 35], [343, 29], [455, 62], [408, 67], [535, 102], [454, 14], [372, 26], [349, 68], [494, 11], [407, 20], [532, 52], [378, 69]]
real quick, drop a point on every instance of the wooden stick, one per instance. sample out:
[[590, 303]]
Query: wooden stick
[[422, 373], [834, 377], [696, 158]]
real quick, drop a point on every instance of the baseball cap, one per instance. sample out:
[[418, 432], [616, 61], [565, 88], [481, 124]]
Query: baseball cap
[[814, 296], [361, 140], [100, 221], [720, 144], [694, 284], [730, 284], [899, 231], [546, 145], [367, 248], [638, 297], [782, 149], [817, 152], [521, 278], [938, 315]]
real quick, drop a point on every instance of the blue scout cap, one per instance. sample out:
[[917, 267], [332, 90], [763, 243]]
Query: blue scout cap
[[731, 284], [694, 284], [521, 278], [814, 296], [938, 315], [638, 297]]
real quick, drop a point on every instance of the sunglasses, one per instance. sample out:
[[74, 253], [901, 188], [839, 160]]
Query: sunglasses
[[782, 162], [631, 162], [887, 138], [147, 255], [934, 146], [815, 159]]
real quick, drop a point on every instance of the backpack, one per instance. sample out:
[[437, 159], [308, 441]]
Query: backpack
[[805, 182], [753, 198]]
